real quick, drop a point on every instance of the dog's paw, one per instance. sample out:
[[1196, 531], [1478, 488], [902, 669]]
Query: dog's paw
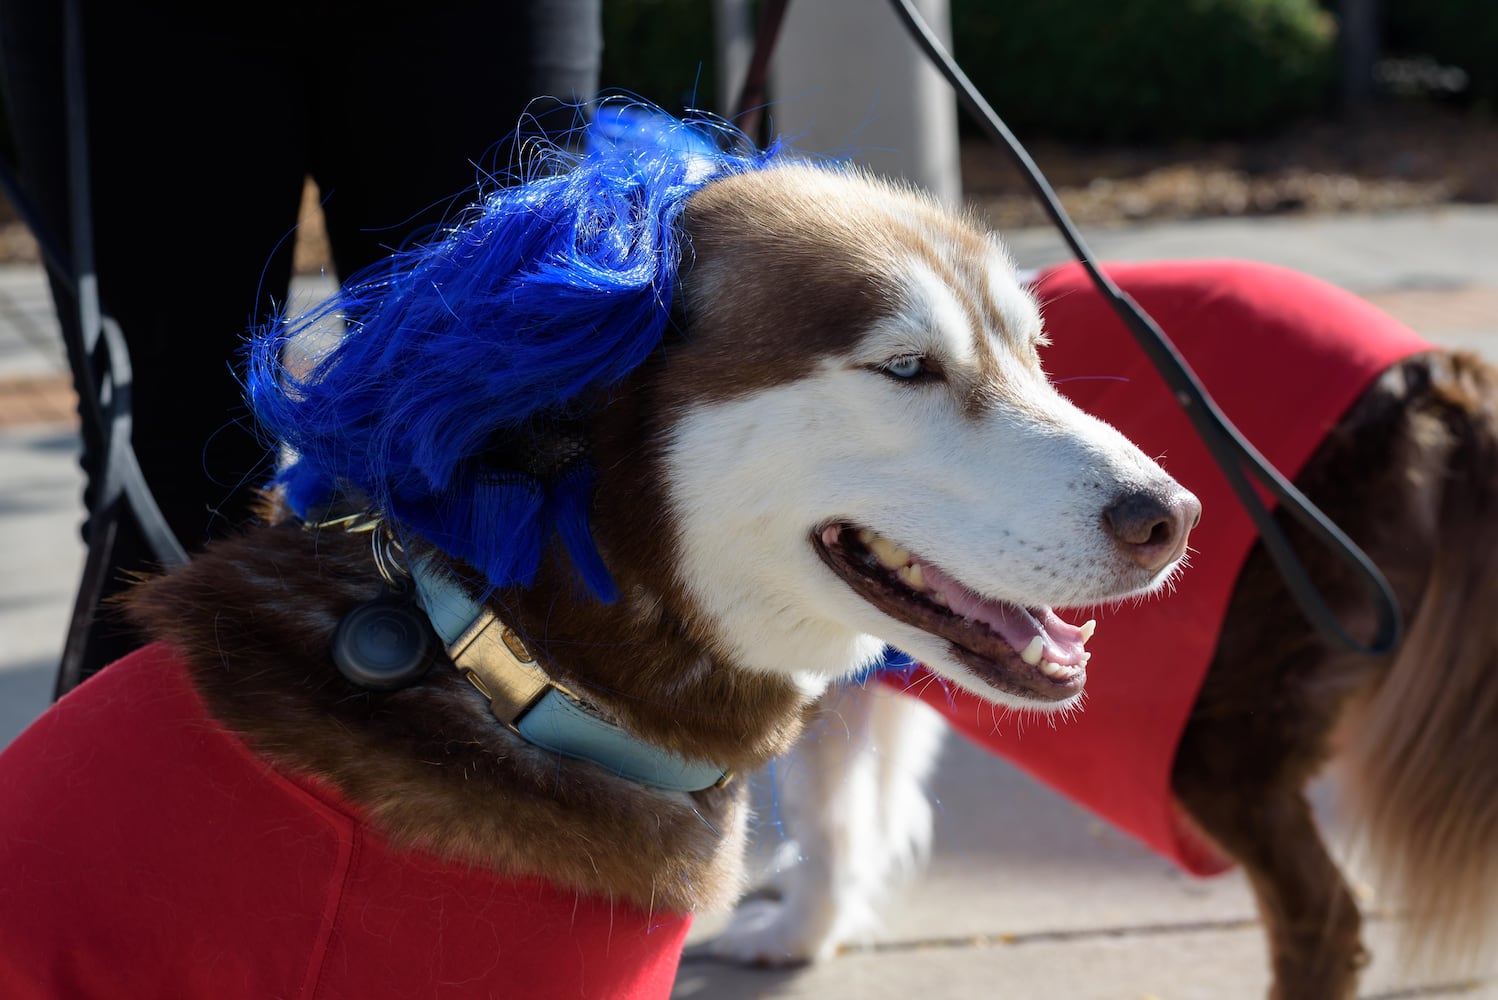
[[767, 931]]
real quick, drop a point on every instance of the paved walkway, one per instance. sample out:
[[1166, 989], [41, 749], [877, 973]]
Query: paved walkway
[[1028, 897]]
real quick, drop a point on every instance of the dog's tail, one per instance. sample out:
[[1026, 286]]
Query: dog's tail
[[1423, 758]]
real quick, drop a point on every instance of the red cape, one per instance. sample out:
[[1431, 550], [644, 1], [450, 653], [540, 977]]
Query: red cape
[[1284, 355], [145, 852]]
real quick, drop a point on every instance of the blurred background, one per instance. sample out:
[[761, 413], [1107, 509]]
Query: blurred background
[[1174, 109], [1144, 110]]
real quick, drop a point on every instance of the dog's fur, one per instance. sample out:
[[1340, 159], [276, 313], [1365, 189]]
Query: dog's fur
[[727, 464], [1411, 474]]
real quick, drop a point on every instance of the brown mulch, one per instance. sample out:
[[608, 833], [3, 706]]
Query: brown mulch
[[1394, 157]]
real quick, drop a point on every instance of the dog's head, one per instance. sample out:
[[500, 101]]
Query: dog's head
[[862, 443], [813, 403]]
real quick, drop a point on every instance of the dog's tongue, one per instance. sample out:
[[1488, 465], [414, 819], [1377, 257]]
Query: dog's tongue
[[1062, 642]]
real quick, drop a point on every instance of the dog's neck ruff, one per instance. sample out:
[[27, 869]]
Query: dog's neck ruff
[[533, 705]]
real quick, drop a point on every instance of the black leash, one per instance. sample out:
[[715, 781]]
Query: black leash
[[104, 384], [1234, 454], [104, 346]]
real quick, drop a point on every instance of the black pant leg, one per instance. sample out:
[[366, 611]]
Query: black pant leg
[[197, 158], [425, 110]]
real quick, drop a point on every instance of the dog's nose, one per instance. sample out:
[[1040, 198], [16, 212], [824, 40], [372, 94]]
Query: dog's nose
[[1151, 528]]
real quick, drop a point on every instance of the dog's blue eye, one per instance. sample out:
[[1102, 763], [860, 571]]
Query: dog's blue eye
[[906, 366]]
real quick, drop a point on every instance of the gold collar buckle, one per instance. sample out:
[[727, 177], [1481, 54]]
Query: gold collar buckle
[[497, 662]]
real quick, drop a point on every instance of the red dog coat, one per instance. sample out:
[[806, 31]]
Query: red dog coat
[[1284, 355], [145, 852]]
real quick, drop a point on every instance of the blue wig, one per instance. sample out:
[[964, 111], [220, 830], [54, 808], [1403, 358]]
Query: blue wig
[[453, 402]]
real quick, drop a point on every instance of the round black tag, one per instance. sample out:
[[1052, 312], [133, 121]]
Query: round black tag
[[383, 644]]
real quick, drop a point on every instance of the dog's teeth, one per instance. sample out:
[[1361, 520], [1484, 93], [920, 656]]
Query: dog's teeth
[[938, 598], [1033, 652], [866, 536], [1086, 658], [888, 552], [1088, 627], [912, 575], [1054, 669]]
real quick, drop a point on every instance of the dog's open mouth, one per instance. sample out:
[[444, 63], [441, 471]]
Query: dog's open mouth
[[1028, 652]]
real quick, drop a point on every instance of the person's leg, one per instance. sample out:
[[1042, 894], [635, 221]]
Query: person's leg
[[198, 164], [196, 168], [425, 111]]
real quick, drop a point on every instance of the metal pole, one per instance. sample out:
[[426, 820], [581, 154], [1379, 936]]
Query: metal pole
[[1358, 48], [733, 40], [847, 80]]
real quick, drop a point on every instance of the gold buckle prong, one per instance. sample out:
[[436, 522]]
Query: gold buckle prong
[[498, 662]]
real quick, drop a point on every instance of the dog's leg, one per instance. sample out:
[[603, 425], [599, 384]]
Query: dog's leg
[[1261, 727], [1260, 816], [853, 803]]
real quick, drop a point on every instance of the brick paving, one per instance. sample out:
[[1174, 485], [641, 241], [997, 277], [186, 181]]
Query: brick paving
[[37, 401], [1438, 310]]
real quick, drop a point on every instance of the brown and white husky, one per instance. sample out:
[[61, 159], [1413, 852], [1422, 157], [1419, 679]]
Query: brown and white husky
[[851, 370]]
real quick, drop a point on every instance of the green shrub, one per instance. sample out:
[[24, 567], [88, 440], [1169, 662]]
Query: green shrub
[[1460, 33], [1078, 69], [661, 50], [1110, 70]]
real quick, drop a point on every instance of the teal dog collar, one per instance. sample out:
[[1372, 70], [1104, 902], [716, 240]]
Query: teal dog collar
[[533, 705]]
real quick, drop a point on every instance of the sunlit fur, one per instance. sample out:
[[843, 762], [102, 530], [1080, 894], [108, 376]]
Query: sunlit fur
[[988, 473], [853, 796]]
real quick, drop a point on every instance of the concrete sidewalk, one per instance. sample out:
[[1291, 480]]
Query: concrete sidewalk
[[1027, 896]]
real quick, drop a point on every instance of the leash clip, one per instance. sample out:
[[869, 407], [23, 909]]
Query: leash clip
[[388, 553]]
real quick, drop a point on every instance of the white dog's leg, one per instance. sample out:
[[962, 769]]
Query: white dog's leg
[[858, 822]]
